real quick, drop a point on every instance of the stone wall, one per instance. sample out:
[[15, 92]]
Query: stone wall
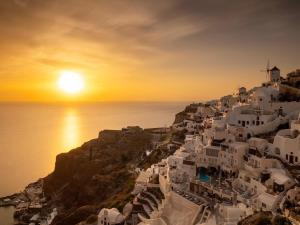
[[178, 210], [289, 90]]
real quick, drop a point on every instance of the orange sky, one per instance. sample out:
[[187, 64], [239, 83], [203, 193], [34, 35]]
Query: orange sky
[[143, 50]]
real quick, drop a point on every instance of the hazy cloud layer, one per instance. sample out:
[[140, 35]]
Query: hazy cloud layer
[[170, 35]]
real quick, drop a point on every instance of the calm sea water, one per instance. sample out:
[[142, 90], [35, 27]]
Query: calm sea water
[[6, 216], [31, 135]]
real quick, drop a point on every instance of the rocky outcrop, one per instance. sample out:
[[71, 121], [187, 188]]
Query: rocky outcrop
[[100, 173], [95, 175], [181, 116]]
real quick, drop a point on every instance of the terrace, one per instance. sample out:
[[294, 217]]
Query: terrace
[[218, 189], [191, 197]]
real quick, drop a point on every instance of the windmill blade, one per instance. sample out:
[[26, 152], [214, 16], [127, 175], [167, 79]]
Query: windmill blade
[[268, 65]]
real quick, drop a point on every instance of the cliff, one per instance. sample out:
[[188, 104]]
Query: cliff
[[100, 173], [192, 108], [95, 175]]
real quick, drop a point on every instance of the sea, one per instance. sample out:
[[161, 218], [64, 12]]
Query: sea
[[32, 134]]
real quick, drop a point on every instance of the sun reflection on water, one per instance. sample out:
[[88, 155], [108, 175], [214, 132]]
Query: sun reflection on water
[[70, 129]]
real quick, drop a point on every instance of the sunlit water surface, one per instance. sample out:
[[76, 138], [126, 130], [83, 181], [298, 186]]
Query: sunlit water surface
[[6, 216], [31, 135]]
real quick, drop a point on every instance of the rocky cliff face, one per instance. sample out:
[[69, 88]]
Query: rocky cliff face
[[192, 108], [95, 175]]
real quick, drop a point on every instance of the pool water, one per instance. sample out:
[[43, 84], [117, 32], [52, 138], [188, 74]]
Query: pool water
[[203, 176]]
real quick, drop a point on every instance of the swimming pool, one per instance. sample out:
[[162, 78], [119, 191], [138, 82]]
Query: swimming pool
[[203, 176]]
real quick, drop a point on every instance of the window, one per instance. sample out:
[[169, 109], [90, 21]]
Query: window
[[247, 122], [253, 122], [262, 122], [239, 122], [286, 157], [296, 159], [263, 205]]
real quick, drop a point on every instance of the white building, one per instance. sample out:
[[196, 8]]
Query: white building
[[179, 169], [295, 125], [191, 125], [249, 183], [263, 97], [232, 214], [205, 111], [287, 145], [110, 217], [231, 156], [265, 202], [211, 134], [279, 181], [241, 94], [259, 144], [227, 102], [293, 195], [248, 116]]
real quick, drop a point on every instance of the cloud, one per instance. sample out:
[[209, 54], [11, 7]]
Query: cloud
[[141, 32], [22, 3]]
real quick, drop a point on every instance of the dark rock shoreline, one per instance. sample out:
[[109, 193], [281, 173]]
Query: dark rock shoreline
[[100, 173]]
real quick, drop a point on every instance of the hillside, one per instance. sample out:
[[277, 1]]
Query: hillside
[[95, 175]]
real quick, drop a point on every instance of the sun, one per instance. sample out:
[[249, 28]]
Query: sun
[[70, 82]]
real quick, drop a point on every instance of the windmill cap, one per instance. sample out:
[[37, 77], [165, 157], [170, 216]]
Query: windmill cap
[[275, 69]]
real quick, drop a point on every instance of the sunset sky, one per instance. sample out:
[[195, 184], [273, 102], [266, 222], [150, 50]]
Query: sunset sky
[[143, 50]]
